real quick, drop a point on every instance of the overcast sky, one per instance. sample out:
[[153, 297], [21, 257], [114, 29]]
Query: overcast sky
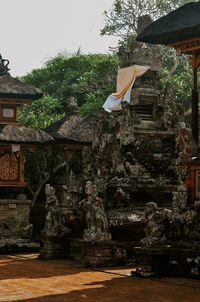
[[34, 30]]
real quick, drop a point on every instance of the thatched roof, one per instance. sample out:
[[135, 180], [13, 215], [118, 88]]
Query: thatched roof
[[73, 128], [13, 88], [179, 25], [15, 134]]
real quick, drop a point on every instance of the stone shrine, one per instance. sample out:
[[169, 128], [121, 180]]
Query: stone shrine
[[131, 163], [15, 228]]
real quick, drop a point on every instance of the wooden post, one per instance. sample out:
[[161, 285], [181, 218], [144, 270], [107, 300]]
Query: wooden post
[[68, 156], [195, 97], [52, 155]]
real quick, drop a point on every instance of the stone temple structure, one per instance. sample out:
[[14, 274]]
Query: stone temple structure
[[131, 163]]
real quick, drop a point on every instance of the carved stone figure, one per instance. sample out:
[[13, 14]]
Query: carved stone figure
[[27, 231], [54, 224], [52, 213], [186, 145], [186, 142], [155, 230], [180, 198], [88, 163], [179, 117], [96, 219]]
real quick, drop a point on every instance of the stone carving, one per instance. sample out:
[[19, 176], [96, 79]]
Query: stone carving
[[186, 145], [155, 230], [179, 118], [180, 199], [95, 216], [53, 224], [26, 232], [122, 198], [88, 163], [52, 213], [185, 141], [179, 227]]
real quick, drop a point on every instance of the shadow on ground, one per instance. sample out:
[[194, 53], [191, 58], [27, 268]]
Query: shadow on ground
[[129, 289]]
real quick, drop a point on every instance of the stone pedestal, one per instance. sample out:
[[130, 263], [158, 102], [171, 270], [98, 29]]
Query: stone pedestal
[[152, 261], [54, 248], [89, 236], [16, 245], [102, 253], [93, 253]]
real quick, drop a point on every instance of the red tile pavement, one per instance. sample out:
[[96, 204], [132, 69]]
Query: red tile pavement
[[24, 278]]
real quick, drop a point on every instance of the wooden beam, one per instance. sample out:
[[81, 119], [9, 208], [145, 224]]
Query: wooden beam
[[184, 42], [14, 101], [12, 184], [70, 147], [190, 46], [187, 49]]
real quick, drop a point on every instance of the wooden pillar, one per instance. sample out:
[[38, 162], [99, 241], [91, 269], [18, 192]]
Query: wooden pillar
[[52, 156], [195, 109], [195, 99], [68, 156]]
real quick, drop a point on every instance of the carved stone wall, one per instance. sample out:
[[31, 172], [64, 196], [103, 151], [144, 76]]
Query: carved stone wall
[[14, 219]]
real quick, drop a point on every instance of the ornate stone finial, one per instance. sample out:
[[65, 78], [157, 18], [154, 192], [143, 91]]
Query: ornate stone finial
[[72, 106], [143, 21], [3, 66]]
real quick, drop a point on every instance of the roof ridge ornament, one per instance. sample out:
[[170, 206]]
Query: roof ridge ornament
[[4, 66]]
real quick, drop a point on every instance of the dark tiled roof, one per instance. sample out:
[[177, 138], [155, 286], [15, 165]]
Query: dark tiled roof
[[179, 25], [16, 134], [13, 88], [73, 128]]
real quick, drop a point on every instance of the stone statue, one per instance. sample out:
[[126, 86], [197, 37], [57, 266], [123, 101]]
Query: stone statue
[[55, 220], [179, 116], [95, 216], [186, 145], [155, 230], [88, 163], [52, 213], [186, 142]]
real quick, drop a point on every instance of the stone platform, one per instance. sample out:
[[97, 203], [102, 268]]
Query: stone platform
[[102, 253], [54, 248], [180, 262], [9, 246]]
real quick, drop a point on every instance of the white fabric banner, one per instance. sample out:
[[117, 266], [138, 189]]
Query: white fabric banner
[[113, 102]]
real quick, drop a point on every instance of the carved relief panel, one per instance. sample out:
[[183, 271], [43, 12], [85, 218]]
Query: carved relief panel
[[9, 167]]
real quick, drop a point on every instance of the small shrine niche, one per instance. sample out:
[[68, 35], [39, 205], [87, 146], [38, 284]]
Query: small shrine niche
[[8, 113]]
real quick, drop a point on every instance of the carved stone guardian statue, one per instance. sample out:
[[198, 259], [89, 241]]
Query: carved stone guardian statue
[[96, 219]]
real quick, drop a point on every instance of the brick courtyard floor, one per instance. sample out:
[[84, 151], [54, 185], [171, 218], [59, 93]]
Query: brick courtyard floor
[[24, 278]]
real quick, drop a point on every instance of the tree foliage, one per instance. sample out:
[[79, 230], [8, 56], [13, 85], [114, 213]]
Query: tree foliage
[[41, 113], [80, 76], [121, 20]]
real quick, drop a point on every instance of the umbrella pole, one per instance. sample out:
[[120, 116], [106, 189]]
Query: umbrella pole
[[195, 108]]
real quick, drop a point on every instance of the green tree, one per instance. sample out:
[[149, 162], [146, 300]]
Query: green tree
[[80, 76], [41, 113]]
